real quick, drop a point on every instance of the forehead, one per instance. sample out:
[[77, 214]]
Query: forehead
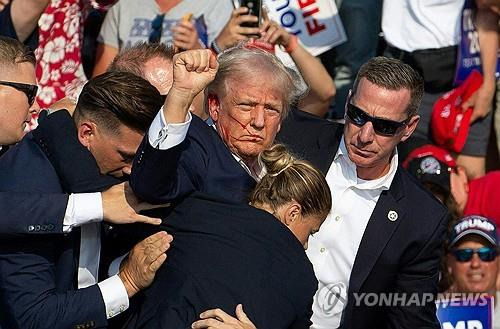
[[472, 241], [21, 72], [126, 140], [254, 88], [381, 102]]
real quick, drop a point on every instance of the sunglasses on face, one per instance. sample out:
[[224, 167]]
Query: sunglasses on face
[[486, 254], [28, 90], [156, 29], [381, 126]]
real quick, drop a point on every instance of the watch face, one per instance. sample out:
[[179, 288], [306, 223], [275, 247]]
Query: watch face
[[430, 165]]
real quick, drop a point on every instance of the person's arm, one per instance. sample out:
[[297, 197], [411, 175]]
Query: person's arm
[[34, 300], [321, 86], [420, 277], [487, 29], [25, 15], [157, 175], [108, 41]]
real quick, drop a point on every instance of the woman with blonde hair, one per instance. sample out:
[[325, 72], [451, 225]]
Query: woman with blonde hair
[[226, 253]]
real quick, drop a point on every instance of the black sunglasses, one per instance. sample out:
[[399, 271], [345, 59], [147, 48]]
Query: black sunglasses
[[28, 90], [156, 29], [486, 254], [381, 126]]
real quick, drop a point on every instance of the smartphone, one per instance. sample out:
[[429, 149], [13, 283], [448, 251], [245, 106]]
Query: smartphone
[[254, 8]]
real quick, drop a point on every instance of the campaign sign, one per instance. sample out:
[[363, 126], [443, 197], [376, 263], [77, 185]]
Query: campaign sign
[[469, 56], [466, 313], [315, 22]]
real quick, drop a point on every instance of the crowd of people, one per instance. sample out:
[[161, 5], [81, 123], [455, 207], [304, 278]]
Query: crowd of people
[[188, 177]]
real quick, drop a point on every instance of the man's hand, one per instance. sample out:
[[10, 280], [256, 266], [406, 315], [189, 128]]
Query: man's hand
[[186, 36], [233, 32], [121, 206], [193, 71], [481, 101], [219, 319], [139, 269], [3, 3], [65, 103], [273, 33]]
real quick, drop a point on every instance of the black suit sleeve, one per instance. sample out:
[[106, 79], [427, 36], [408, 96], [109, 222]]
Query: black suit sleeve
[[420, 277], [31, 213], [162, 176], [29, 293], [57, 137]]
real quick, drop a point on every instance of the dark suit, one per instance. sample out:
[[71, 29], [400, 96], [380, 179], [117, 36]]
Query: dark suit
[[225, 253], [43, 213], [202, 162], [393, 256], [37, 276]]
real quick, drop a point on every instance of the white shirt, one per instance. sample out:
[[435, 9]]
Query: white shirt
[[333, 249], [421, 24], [84, 210]]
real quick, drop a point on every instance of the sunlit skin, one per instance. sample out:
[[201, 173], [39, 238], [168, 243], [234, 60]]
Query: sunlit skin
[[474, 275], [15, 111], [248, 117], [371, 152], [114, 153]]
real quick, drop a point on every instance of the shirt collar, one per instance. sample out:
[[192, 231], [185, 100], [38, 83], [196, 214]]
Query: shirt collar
[[383, 183]]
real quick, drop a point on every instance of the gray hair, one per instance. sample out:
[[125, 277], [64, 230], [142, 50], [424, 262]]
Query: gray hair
[[240, 61], [393, 74]]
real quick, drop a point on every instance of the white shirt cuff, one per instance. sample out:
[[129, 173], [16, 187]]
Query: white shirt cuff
[[163, 135], [114, 268], [82, 208], [114, 295]]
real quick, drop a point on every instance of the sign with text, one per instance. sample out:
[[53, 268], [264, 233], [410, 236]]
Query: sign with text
[[475, 311], [315, 22]]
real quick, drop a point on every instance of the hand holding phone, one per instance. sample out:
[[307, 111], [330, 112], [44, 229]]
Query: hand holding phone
[[254, 9]]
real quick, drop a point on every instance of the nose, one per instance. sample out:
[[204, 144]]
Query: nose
[[366, 133], [475, 261], [258, 117]]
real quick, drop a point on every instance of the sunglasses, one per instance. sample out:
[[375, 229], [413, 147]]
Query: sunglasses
[[381, 126], [486, 254], [28, 90], [156, 29]]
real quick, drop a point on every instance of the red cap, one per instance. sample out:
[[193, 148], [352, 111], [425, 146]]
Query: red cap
[[430, 150], [449, 123]]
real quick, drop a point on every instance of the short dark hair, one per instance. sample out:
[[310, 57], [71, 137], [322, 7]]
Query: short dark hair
[[14, 52], [393, 74], [116, 98], [132, 59]]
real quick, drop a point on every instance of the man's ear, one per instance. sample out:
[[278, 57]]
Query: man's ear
[[213, 105], [86, 133], [292, 213], [410, 127]]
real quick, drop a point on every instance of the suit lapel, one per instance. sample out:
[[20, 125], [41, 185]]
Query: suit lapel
[[381, 225]]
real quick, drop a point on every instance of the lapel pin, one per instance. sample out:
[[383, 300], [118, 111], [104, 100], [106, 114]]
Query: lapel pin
[[392, 215]]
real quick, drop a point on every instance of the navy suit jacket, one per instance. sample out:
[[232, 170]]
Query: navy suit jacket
[[225, 253], [394, 256], [24, 212], [202, 162], [37, 276]]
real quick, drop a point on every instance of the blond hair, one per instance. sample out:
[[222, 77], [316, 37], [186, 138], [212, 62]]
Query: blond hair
[[288, 179]]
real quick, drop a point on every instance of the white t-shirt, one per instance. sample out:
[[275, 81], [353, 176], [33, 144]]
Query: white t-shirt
[[422, 24], [129, 21]]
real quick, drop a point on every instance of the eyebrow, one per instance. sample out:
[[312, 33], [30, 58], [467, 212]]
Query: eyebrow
[[126, 154]]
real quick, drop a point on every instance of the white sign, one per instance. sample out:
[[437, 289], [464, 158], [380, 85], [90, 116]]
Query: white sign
[[315, 22]]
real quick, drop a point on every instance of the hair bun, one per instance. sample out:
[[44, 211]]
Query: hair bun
[[276, 159]]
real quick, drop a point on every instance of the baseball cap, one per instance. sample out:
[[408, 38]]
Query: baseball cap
[[449, 123], [474, 224], [431, 164]]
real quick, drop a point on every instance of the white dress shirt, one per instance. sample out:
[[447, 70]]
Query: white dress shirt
[[333, 249], [84, 210]]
